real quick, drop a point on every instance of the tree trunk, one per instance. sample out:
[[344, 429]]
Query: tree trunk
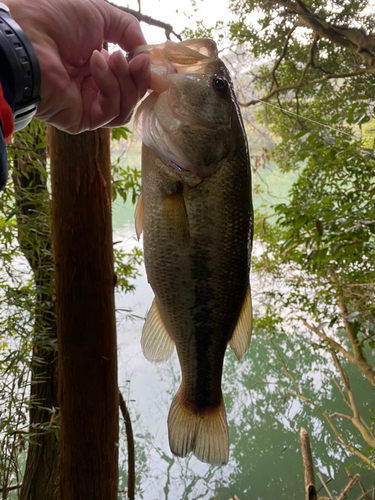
[[33, 218], [40, 478], [85, 314]]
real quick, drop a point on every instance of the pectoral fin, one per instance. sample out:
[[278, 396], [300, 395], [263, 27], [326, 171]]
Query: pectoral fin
[[175, 217], [139, 215], [240, 340], [157, 344]]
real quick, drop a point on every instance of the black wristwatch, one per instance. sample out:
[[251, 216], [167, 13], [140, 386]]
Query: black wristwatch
[[20, 68]]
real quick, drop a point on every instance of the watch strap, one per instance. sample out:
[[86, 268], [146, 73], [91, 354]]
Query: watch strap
[[20, 67]]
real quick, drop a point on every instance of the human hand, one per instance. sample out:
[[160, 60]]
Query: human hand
[[82, 86]]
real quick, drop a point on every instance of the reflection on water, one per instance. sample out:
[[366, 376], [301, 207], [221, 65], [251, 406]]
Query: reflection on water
[[264, 423]]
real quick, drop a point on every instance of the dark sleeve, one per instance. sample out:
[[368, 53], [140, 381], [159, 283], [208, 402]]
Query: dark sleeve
[[3, 149], [3, 161]]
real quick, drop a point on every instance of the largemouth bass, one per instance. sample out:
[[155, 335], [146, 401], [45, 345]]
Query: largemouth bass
[[195, 211]]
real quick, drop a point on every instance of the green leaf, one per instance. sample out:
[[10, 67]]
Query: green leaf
[[350, 118], [301, 134], [350, 249], [330, 140], [368, 153], [312, 255], [120, 133], [364, 118], [300, 221]]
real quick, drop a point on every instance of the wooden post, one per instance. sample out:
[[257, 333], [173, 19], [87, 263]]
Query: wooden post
[[85, 314], [308, 468]]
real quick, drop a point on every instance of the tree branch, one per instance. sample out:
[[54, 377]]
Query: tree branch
[[298, 395], [286, 88], [310, 61], [282, 55], [332, 342], [349, 486], [325, 486], [356, 419], [341, 415], [348, 404], [360, 359], [364, 495], [352, 39], [149, 20]]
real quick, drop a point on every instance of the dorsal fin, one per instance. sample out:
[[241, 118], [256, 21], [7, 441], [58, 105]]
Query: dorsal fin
[[240, 340], [157, 344]]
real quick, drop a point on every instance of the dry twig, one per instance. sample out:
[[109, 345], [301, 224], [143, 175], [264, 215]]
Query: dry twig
[[308, 468], [131, 450]]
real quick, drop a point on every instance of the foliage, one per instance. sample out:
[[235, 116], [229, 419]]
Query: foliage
[[327, 228], [126, 267], [312, 71], [17, 316], [307, 66], [125, 179], [319, 260]]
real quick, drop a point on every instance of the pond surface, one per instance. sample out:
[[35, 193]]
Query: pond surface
[[264, 422]]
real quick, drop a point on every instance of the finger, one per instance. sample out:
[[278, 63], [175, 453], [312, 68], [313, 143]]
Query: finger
[[105, 105], [120, 27], [133, 81], [140, 70]]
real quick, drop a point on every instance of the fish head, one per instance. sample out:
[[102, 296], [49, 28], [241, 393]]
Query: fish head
[[187, 120]]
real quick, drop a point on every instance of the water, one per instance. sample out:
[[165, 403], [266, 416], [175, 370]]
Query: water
[[264, 422]]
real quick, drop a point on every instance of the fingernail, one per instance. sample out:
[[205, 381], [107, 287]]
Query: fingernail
[[146, 62], [100, 61], [120, 54], [141, 64]]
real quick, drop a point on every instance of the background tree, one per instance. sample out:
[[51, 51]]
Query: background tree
[[315, 60], [34, 237], [25, 229], [27, 324]]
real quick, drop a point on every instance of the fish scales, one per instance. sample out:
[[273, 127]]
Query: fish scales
[[197, 225]]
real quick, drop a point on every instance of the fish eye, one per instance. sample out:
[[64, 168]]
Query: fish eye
[[220, 84]]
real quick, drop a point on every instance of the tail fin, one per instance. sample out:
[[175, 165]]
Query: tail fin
[[204, 433]]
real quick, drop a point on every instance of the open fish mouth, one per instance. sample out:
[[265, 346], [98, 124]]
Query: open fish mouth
[[189, 57]]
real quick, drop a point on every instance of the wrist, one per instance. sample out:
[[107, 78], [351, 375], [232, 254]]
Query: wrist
[[19, 67]]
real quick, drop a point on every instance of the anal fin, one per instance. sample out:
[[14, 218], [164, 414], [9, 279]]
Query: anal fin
[[157, 344], [240, 340]]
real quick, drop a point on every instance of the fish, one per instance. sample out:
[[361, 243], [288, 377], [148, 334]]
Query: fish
[[195, 212]]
